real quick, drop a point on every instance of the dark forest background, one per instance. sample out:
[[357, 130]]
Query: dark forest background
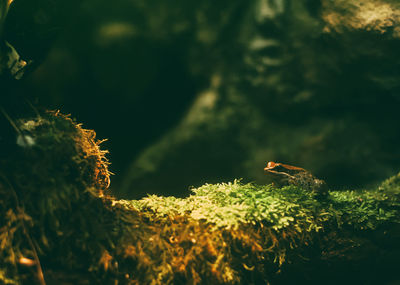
[[189, 92]]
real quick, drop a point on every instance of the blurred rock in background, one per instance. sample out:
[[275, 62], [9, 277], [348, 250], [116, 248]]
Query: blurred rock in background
[[192, 92]]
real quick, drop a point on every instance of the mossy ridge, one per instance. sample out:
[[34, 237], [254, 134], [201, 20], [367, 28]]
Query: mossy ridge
[[269, 226], [229, 205], [227, 233]]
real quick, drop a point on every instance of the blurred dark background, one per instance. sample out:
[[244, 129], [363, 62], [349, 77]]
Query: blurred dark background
[[189, 92]]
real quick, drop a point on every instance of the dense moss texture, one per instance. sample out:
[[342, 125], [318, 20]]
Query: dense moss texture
[[57, 221]]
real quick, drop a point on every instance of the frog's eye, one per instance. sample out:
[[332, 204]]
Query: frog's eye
[[271, 164]]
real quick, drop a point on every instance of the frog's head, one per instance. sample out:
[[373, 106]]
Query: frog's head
[[280, 169]]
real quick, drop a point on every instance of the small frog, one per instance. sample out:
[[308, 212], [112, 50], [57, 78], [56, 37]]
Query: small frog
[[284, 174]]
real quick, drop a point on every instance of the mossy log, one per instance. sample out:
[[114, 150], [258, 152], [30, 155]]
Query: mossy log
[[59, 224]]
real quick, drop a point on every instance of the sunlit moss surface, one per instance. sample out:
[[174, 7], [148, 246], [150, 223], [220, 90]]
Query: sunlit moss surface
[[57, 220], [229, 205]]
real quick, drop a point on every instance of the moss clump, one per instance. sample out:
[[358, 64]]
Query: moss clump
[[275, 229], [53, 168], [229, 205], [391, 186], [56, 221]]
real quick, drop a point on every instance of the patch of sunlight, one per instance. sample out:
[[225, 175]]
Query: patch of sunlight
[[204, 103], [267, 9], [115, 31], [369, 15]]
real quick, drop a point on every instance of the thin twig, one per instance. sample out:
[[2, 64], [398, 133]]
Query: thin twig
[[27, 101], [12, 123]]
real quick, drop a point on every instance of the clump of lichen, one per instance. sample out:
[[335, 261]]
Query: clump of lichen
[[56, 221]]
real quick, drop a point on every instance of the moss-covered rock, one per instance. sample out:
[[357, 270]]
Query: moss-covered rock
[[58, 222]]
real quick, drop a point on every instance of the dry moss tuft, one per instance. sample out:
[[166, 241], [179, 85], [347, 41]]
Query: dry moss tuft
[[54, 167]]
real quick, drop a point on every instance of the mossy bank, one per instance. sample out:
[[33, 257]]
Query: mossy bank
[[60, 225]]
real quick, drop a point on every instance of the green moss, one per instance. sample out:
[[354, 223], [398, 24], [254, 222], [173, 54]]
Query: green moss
[[55, 213], [276, 227], [391, 185], [229, 205]]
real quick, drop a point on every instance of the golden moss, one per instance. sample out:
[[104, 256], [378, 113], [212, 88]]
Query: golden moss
[[54, 166]]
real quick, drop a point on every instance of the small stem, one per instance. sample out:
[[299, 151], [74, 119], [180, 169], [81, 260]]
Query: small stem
[[35, 255]]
